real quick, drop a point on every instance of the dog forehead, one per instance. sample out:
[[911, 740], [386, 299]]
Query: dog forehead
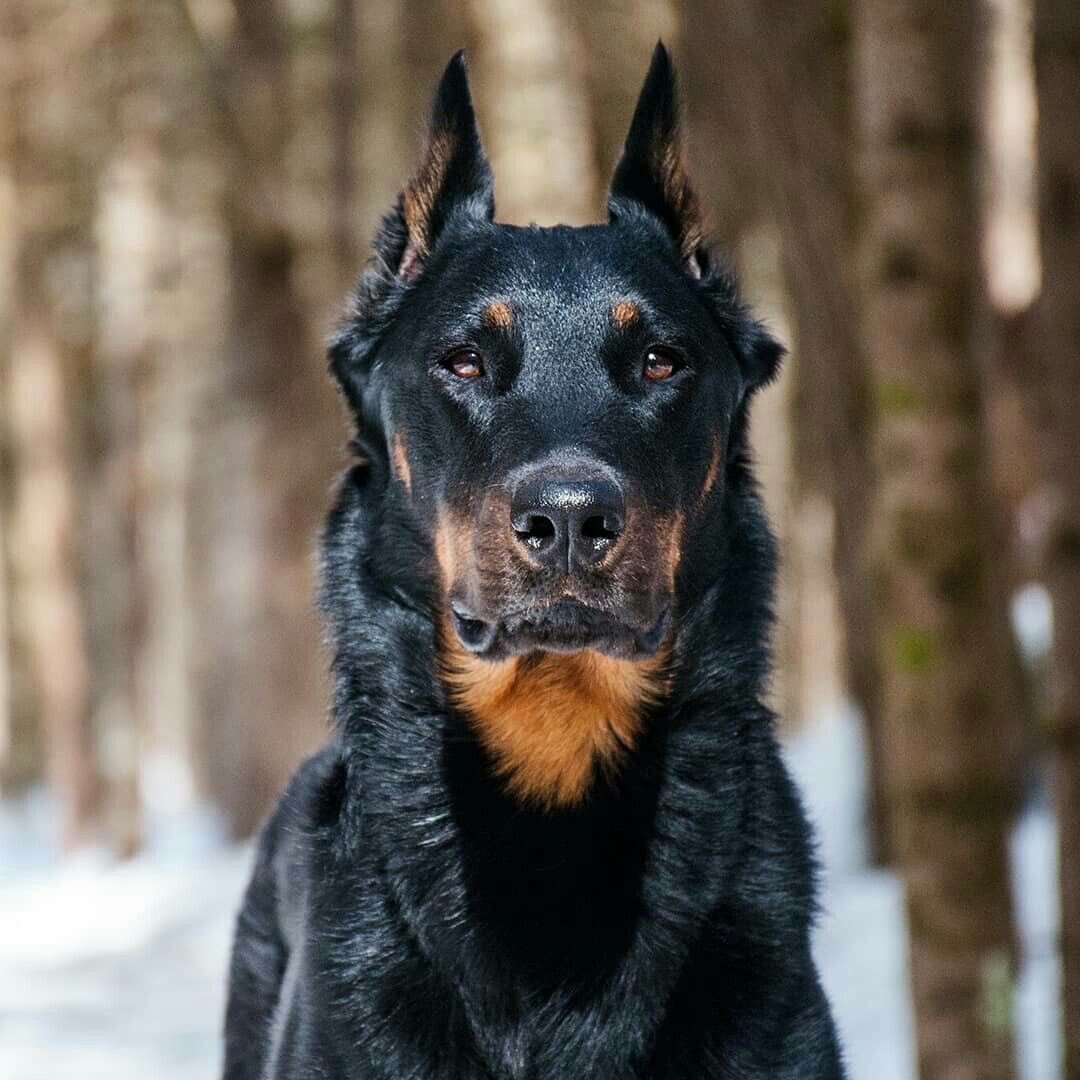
[[559, 278]]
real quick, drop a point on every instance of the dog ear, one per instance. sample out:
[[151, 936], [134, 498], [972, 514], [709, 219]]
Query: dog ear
[[652, 170], [454, 176], [760, 354]]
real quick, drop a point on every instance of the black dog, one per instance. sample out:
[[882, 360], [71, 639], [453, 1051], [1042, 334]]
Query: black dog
[[554, 838]]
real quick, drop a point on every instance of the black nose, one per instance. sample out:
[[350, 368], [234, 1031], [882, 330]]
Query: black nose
[[567, 519]]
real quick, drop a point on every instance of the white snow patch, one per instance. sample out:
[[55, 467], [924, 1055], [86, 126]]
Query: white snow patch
[[114, 970]]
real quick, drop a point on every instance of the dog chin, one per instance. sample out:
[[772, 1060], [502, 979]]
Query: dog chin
[[564, 627]]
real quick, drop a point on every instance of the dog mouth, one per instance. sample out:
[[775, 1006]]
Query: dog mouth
[[566, 626]]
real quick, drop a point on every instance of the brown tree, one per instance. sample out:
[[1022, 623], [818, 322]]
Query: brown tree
[[1055, 383], [55, 134], [948, 704], [345, 76], [782, 75], [266, 451], [617, 40], [530, 83]]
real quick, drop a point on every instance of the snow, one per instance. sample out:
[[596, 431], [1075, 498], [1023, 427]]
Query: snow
[[117, 969], [114, 969]]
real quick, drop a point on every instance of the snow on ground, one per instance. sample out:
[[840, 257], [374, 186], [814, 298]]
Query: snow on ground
[[116, 971]]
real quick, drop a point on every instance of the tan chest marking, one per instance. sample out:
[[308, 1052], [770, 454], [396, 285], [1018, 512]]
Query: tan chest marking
[[550, 721]]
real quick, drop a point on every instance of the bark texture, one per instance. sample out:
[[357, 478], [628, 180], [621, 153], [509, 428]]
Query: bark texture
[[949, 701], [55, 132], [803, 149], [262, 673], [530, 81], [1056, 388]]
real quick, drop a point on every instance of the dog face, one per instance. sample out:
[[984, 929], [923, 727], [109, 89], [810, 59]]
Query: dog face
[[553, 405]]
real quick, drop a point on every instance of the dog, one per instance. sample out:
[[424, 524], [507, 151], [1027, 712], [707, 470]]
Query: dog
[[553, 837]]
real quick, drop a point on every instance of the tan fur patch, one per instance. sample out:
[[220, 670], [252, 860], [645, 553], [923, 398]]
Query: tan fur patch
[[497, 315], [450, 542], [550, 721], [625, 313], [401, 462], [713, 473], [418, 199], [670, 166], [673, 548]]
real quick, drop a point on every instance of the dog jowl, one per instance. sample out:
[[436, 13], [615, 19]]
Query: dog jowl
[[552, 836]]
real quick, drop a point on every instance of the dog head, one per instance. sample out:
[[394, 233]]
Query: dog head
[[555, 403]]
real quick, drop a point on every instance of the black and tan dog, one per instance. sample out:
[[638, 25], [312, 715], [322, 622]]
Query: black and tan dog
[[553, 838]]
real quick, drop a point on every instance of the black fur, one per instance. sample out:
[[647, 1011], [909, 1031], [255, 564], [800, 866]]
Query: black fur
[[408, 917]]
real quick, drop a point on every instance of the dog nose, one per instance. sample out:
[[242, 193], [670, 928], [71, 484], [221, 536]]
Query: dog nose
[[567, 521]]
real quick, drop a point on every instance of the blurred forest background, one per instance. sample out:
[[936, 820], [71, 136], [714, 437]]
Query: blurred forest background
[[187, 188]]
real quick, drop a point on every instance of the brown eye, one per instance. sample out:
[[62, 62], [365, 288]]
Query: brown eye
[[464, 363], [660, 364]]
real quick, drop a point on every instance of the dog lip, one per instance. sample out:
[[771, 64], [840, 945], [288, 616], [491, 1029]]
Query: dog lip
[[477, 635], [566, 626], [651, 640]]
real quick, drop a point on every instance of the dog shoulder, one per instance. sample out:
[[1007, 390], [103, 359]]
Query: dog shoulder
[[288, 841]]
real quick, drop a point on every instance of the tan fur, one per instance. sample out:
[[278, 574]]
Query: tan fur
[[671, 168], [419, 196], [497, 315], [673, 549], [625, 313], [550, 721], [401, 462], [451, 540], [713, 473]]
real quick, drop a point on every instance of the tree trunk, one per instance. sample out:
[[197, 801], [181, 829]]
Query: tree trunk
[[345, 79], [20, 746], [617, 40], [720, 125], [767, 92], [264, 455], [948, 709], [531, 87], [1056, 388], [714, 78], [795, 87], [55, 131]]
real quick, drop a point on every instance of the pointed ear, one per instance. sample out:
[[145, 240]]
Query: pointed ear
[[652, 170], [454, 176]]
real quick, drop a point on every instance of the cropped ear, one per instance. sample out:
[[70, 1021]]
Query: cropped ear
[[652, 170], [454, 176]]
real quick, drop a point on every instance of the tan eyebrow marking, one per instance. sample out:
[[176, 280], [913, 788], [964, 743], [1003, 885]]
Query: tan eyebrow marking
[[497, 315], [625, 313]]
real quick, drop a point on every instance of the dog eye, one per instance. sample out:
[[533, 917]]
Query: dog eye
[[660, 364], [464, 364]]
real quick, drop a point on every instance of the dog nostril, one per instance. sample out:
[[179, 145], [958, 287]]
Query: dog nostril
[[601, 527], [567, 520], [539, 531]]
